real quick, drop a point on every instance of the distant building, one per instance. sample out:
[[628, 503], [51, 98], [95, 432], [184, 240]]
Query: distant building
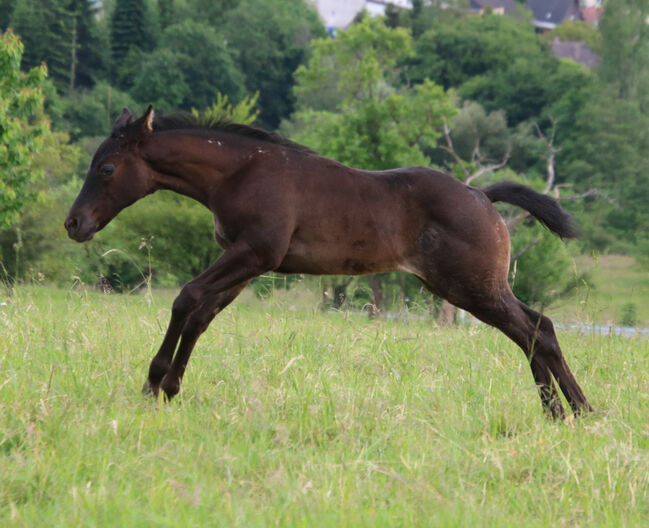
[[548, 14], [591, 13], [338, 14], [498, 7], [577, 51]]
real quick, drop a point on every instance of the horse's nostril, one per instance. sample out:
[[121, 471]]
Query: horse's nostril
[[71, 223]]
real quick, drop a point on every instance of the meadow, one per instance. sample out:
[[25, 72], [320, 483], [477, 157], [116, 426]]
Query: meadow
[[289, 416]]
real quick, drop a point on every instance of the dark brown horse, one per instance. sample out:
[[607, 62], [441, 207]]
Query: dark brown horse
[[278, 206]]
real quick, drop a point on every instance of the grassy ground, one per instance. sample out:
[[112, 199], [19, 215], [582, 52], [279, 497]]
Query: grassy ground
[[618, 294], [296, 418]]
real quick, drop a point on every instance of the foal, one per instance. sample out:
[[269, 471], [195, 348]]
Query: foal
[[280, 207]]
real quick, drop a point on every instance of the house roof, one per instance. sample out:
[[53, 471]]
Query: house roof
[[506, 5], [549, 13], [577, 51]]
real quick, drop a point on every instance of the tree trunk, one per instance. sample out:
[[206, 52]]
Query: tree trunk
[[340, 294], [449, 314], [377, 295]]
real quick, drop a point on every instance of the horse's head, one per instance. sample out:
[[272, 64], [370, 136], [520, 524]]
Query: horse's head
[[117, 177]]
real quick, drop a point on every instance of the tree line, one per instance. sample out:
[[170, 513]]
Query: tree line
[[482, 97]]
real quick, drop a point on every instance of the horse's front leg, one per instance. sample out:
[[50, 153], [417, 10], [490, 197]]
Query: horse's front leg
[[182, 322], [196, 324], [195, 307]]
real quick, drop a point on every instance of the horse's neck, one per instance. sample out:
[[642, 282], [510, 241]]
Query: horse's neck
[[194, 164]]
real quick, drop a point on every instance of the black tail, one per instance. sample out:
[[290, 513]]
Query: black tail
[[541, 206]]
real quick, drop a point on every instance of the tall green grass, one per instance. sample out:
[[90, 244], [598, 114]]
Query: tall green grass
[[291, 417]]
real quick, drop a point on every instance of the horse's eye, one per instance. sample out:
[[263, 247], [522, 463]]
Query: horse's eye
[[107, 170]]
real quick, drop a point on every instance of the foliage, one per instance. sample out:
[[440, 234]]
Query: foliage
[[625, 49], [272, 39], [577, 31], [494, 60], [6, 8], [243, 112], [22, 127], [374, 126], [90, 113], [62, 34], [130, 28], [160, 80], [541, 274]]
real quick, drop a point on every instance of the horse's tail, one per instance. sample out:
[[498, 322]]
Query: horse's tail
[[541, 206]]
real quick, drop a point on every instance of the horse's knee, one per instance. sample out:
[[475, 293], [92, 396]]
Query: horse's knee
[[186, 301]]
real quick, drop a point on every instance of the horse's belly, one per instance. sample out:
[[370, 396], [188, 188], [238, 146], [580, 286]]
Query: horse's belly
[[335, 261]]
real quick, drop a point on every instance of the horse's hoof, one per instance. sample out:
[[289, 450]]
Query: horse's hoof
[[150, 390], [169, 387]]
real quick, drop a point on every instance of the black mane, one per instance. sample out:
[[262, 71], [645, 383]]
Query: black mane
[[185, 121]]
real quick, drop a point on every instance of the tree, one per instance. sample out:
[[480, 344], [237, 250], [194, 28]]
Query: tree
[[182, 74], [90, 113], [605, 156], [166, 12], [577, 31], [491, 59], [272, 39], [129, 30], [6, 7], [62, 34], [22, 127], [373, 124], [625, 48]]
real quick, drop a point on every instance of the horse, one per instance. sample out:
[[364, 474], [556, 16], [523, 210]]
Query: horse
[[279, 206]]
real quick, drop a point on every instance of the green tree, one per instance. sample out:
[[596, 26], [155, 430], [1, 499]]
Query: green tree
[[183, 74], [625, 48], [208, 67], [130, 28], [577, 31], [22, 127], [60, 33], [92, 112], [494, 60], [6, 7], [160, 80], [37, 243], [374, 125], [166, 12], [605, 156], [272, 39]]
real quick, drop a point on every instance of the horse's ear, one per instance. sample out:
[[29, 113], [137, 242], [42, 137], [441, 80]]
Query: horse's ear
[[123, 120], [147, 121]]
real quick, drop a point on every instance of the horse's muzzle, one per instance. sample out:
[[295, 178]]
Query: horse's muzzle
[[79, 230]]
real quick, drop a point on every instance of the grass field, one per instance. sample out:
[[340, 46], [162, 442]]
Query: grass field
[[292, 417], [617, 284]]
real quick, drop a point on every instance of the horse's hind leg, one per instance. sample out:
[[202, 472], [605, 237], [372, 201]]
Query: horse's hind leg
[[505, 313], [534, 333], [555, 361]]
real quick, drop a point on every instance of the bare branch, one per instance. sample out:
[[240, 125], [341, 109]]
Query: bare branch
[[491, 168], [451, 150], [552, 152], [511, 224], [588, 193], [522, 252]]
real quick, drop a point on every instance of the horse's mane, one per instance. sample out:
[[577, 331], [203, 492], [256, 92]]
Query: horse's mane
[[186, 121]]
